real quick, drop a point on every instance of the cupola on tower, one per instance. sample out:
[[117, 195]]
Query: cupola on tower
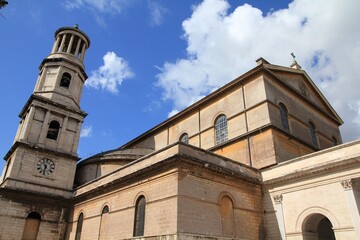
[[44, 153]]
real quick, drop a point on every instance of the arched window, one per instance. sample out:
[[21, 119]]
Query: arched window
[[53, 131], [65, 80], [32, 224], [79, 226], [184, 138], [103, 223], [334, 141], [313, 134], [105, 210], [284, 116], [139, 223], [221, 131], [227, 216]]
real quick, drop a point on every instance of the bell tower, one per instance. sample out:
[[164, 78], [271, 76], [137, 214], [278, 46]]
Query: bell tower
[[43, 156]]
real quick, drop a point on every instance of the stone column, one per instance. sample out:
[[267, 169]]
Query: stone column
[[44, 128], [63, 132], [77, 47], [70, 44], [347, 185], [56, 45], [62, 42], [83, 52], [77, 136], [27, 123], [280, 215]]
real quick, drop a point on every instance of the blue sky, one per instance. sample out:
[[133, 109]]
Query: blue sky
[[152, 58]]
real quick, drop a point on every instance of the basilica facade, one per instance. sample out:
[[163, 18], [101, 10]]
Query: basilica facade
[[259, 158]]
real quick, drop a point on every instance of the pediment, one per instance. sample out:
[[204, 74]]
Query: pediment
[[299, 81]]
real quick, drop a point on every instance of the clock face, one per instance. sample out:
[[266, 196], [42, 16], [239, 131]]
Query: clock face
[[45, 166]]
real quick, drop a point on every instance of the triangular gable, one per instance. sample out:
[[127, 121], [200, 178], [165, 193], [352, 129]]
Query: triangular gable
[[300, 81]]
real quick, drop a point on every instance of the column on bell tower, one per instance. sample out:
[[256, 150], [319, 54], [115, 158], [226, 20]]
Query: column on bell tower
[[72, 44]]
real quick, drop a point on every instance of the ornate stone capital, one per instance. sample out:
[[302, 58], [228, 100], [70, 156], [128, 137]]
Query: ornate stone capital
[[278, 198], [347, 184]]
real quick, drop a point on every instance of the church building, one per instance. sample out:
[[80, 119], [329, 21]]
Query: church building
[[260, 158]]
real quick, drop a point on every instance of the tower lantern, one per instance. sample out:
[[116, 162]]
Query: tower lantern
[[71, 43]]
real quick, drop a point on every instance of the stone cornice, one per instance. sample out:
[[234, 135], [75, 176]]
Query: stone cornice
[[25, 195], [61, 59], [74, 29], [48, 101], [180, 154], [167, 164], [30, 146], [316, 169]]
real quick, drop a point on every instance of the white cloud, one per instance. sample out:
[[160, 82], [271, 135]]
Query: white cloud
[[86, 132], [110, 75], [153, 106], [103, 6], [157, 12], [99, 8], [222, 45], [172, 113]]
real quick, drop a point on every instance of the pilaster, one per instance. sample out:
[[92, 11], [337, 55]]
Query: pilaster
[[354, 209], [280, 215]]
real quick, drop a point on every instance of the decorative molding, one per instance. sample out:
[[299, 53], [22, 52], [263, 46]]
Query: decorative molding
[[278, 198], [324, 168], [347, 184]]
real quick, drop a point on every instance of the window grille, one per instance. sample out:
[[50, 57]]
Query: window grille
[[221, 131], [284, 116]]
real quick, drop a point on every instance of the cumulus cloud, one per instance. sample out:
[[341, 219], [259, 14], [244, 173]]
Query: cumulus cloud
[[86, 132], [157, 12], [110, 75], [222, 45]]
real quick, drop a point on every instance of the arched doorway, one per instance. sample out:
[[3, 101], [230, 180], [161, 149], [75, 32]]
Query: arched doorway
[[31, 226], [317, 227]]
